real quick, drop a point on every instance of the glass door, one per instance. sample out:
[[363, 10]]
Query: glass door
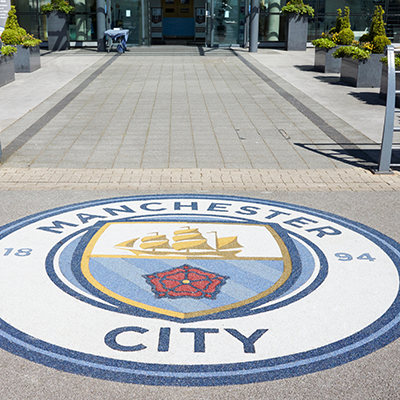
[[126, 14], [210, 23], [223, 21]]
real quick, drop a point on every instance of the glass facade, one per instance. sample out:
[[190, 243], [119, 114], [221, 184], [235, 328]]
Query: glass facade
[[360, 16], [229, 25], [127, 14]]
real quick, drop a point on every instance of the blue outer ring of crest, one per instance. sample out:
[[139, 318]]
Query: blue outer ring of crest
[[378, 334]]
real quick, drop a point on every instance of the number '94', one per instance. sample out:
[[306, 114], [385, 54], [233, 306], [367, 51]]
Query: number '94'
[[349, 257]]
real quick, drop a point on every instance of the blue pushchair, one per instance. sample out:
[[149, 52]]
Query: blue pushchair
[[118, 38]]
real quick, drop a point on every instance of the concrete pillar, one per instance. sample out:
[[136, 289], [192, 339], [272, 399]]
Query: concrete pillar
[[101, 24], [254, 18]]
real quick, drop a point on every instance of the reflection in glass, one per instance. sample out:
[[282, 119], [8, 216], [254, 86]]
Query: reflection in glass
[[226, 22], [83, 21], [126, 14], [271, 21], [394, 7], [393, 28]]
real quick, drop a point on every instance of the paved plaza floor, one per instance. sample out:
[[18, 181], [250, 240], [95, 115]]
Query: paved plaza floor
[[193, 120]]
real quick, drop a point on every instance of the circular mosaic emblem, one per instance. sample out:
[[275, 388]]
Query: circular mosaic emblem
[[195, 290]]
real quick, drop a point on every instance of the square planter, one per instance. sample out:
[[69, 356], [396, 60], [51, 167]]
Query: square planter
[[362, 73], [27, 59], [324, 62], [296, 32], [7, 74], [57, 31], [384, 82]]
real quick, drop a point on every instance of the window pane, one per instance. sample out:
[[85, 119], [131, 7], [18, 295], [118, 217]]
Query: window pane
[[356, 6], [394, 7], [364, 7], [82, 27], [393, 28], [227, 22], [272, 27]]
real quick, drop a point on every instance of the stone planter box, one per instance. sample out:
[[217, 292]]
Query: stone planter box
[[384, 82], [296, 32], [27, 59], [7, 74], [324, 62], [362, 73], [57, 31]]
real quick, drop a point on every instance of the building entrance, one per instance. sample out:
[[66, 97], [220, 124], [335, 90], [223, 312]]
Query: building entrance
[[177, 20]]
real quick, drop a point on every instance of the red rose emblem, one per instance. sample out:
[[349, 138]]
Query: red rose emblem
[[185, 281]]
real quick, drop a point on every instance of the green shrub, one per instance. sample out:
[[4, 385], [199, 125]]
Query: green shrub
[[345, 24], [345, 36], [324, 42], [13, 33], [379, 43], [354, 52], [10, 36], [57, 5], [8, 50], [341, 22], [342, 33], [338, 24], [31, 42], [298, 7], [377, 35], [377, 25], [365, 38], [384, 61]]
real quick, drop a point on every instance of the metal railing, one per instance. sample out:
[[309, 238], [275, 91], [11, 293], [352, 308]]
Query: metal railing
[[389, 128]]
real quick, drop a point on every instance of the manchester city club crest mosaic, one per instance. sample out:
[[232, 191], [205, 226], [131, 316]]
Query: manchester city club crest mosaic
[[195, 290]]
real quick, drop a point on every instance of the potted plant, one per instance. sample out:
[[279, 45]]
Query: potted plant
[[384, 80], [340, 35], [297, 24], [57, 24], [27, 57], [361, 66], [7, 73]]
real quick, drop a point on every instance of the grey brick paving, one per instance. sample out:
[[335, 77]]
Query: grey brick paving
[[172, 111], [194, 180], [165, 109]]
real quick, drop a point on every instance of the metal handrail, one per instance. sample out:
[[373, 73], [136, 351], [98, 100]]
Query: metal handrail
[[388, 128]]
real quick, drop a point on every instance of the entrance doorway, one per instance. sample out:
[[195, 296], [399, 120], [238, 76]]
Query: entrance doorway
[[177, 21], [210, 22], [226, 22]]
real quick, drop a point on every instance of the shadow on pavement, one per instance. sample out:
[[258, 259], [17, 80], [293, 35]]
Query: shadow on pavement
[[305, 67], [349, 154], [371, 98]]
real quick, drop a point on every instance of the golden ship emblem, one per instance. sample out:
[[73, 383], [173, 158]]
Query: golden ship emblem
[[187, 243]]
